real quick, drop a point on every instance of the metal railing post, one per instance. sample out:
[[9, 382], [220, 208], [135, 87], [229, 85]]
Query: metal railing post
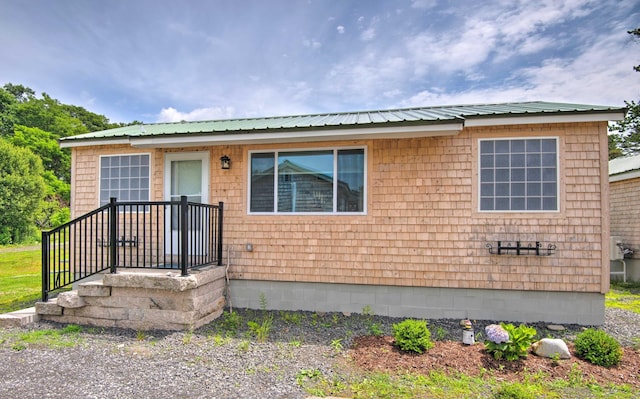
[[184, 238], [220, 216], [45, 266], [113, 234]]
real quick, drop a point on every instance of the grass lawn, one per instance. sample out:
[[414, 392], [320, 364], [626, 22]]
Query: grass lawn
[[624, 296], [20, 279]]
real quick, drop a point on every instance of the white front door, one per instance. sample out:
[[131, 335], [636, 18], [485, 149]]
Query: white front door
[[185, 173]]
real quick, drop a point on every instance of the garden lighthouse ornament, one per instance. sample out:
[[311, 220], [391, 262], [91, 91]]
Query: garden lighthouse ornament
[[467, 332]]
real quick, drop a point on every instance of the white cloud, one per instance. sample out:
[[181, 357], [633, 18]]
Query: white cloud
[[587, 78], [368, 34], [529, 17], [340, 29], [424, 4], [453, 51], [394, 93], [371, 74], [311, 43], [170, 114]]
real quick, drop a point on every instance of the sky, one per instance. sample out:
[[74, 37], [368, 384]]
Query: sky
[[167, 61]]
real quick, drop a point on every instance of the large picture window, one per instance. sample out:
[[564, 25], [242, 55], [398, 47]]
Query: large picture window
[[319, 181], [519, 174], [125, 177]]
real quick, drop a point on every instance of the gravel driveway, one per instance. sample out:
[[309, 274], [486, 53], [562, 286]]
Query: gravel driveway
[[215, 361]]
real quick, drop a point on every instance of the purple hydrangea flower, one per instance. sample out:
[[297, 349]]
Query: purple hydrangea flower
[[497, 334]]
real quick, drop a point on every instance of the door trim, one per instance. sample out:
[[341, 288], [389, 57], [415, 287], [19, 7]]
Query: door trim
[[186, 156]]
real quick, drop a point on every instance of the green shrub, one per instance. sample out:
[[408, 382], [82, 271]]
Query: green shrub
[[520, 339], [598, 347], [412, 336]]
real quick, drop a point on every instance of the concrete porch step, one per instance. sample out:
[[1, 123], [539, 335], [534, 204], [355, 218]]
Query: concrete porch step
[[19, 318]]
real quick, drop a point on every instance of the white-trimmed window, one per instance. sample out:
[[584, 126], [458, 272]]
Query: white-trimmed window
[[519, 175], [308, 181], [125, 177]]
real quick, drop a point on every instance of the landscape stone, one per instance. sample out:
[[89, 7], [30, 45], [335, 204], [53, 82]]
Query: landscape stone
[[48, 308], [70, 299], [549, 347], [93, 288], [556, 327]]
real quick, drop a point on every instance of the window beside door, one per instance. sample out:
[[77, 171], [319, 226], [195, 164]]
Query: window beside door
[[125, 177]]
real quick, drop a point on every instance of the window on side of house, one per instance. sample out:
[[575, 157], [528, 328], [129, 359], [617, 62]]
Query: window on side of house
[[519, 175], [308, 181], [125, 177]]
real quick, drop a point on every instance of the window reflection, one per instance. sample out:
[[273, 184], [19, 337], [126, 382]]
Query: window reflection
[[306, 181]]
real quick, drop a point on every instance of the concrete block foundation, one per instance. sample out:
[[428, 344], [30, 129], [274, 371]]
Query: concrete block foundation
[[423, 302]]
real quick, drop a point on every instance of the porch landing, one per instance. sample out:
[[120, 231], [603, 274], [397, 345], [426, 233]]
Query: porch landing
[[142, 300]]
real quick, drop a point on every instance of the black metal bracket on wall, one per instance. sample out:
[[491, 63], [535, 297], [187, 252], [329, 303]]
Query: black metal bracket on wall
[[519, 249]]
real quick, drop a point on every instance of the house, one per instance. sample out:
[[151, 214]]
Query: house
[[492, 211], [624, 187]]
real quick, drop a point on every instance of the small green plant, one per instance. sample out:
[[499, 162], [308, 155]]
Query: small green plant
[[141, 335], [511, 347], [412, 335], [441, 333], [514, 390], [263, 301], [188, 336], [71, 329], [576, 376], [316, 319], [292, 317], [336, 344], [231, 322], [598, 347], [18, 346], [261, 330], [244, 345], [307, 374], [555, 359], [375, 329], [219, 340]]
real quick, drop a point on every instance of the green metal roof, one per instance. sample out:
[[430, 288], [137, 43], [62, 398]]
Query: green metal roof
[[347, 120]]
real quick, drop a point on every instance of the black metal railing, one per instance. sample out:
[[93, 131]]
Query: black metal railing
[[179, 235]]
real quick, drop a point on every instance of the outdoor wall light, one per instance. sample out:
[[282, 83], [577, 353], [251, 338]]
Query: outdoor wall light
[[225, 162]]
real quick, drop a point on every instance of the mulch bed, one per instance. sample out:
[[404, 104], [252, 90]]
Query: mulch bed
[[373, 353]]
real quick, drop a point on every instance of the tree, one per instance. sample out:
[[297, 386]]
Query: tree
[[7, 113], [628, 136], [615, 144], [20, 93], [45, 145], [35, 123], [21, 191]]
